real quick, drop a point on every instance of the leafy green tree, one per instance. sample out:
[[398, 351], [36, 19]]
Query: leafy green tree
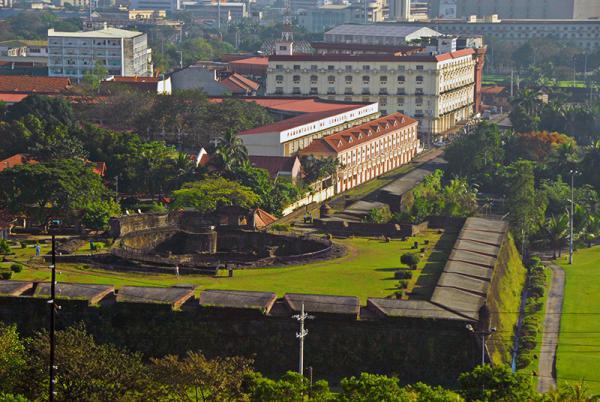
[[211, 193], [319, 168], [380, 215], [88, 371], [56, 189], [218, 379], [51, 110], [459, 198], [590, 166], [421, 392], [97, 214], [93, 78], [372, 387], [12, 358], [527, 208], [291, 387], [495, 383]]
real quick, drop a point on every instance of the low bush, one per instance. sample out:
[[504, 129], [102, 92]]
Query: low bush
[[527, 342], [280, 227], [6, 275], [410, 259], [524, 359], [403, 274], [4, 247], [23, 244], [402, 284], [16, 268]]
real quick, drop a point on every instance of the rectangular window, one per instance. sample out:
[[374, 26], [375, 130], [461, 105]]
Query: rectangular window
[[296, 67], [330, 68], [348, 69], [419, 67], [296, 90], [366, 68]]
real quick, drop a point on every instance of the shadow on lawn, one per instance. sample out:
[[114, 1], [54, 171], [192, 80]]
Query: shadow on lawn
[[434, 266]]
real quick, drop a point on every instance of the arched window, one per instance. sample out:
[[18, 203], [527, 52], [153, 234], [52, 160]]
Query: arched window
[[401, 78], [365, 78]]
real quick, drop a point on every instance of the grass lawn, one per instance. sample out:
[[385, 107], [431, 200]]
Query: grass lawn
[[579, 343], [367, 270]]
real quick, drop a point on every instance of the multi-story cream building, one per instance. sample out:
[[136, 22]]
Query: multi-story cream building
[[288, 136], [72, 54], [436, 89], [368, 150]]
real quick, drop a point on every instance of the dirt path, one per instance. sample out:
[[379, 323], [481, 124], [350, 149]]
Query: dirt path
[[554, 303]]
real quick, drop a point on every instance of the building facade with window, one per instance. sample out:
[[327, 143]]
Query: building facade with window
[[122, 52], [288, 136], [438, 90], [368, 150]]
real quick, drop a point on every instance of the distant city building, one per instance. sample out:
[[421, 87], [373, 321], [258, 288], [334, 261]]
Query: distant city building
[[582, 33], [6, 3], [379, 34], [158, 85], [169, 5], [399, 10], [228, 12], [213, 81], [525, 9], [368, 150], [122, 52], [319, 19], [24, 48]]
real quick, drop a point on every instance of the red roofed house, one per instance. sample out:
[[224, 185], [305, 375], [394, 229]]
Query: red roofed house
[[25, 84], [255, 66], [21, 159], [240, 85], [368, 150], [16, 160], [279, 166]]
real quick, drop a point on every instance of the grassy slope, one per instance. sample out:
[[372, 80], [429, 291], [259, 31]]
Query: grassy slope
[[366, 271], [579, 341], [507, 304]]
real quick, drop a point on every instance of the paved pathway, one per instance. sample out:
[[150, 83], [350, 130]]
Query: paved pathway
[[554, 303]]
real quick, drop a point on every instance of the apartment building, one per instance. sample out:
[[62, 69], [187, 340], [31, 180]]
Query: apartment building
[[438, 90], [319, 19], [123, 53], [368, 150], [379, 34]]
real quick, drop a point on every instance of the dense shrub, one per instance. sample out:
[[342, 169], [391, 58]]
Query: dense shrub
[[402, 284], [524, 359], [403, 274], [281, 227], [23, 244], [4, 247], [16, 268], [6, 275], [410, 259], [527, 342]]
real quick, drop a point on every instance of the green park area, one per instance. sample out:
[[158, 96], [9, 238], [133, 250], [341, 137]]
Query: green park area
[[579, 342], [366, 270], [504, 79]]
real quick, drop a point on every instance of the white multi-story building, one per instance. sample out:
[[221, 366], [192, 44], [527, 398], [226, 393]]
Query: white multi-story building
[[368, 150], [123, 53], [436, 89]]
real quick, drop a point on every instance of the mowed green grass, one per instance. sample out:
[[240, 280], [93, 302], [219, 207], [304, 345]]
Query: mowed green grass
[[579, 343], [367, 270]]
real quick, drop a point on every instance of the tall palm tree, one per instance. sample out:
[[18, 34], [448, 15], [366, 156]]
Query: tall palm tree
[[231, 150], [557, 229], [591, 232]]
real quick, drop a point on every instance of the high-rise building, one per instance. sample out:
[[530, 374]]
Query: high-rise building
[[72, 54], [399, 10]]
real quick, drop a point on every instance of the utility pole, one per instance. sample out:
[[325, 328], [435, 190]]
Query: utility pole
[[483, 335], [301, 335], [219, 15], [52, 304], [573, 173], [180, 58]]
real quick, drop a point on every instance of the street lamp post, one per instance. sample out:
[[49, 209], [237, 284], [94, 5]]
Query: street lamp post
[[572, 173]]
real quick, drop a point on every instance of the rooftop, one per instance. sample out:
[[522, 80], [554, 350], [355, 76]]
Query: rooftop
[[26, 84], [237, 299], [273, 164], [375, 57], [258, 60], [386, 30], [356, 135], [109, 33]]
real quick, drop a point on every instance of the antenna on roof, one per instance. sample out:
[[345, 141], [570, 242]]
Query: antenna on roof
[[288, 30]]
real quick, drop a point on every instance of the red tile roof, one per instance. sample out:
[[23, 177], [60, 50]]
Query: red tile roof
[[237, 83], [25, 84], [351, 137], [257, 60], [262, 218], [298, 121], [373, 57], [135, 79], [492, 90], [16, 160], [273, 164], [12, 98]]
